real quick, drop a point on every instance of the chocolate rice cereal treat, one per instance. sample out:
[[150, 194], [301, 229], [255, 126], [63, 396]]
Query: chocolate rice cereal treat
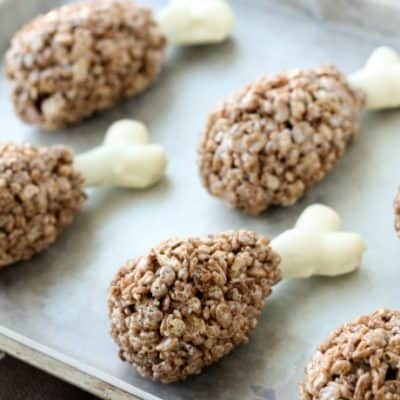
[[40, 193], [268, 143], [191, 301], [359, 361], [41, 188], [82, 58]]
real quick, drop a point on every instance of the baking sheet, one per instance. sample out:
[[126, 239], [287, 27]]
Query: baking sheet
[[58, 300], [374, 15]]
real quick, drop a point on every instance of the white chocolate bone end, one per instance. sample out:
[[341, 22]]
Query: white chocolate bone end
[[192, 22], [315, 246], [125, 159], [380, 79]]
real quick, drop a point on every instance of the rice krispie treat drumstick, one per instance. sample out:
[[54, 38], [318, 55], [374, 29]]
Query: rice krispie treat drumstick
[[270, 142], [41, 188], [358, 361], [191, 301], [82, 58]]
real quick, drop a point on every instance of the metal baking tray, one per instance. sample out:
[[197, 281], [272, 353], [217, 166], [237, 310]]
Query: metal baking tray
[[373, 15], [53, 308]]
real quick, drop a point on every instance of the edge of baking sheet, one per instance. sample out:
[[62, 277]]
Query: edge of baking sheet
[[68, 369], [378, 16], [14, 13], [381, 16]]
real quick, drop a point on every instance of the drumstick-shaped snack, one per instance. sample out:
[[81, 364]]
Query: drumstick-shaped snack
[[191, 301], [82, 58], [41, 188], [270, 142]]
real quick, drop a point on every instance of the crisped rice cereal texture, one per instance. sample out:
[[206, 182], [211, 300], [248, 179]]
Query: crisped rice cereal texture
[[39, 195], [82, 58], [360, 361], [397, 213], [270, 142], [190, 301]]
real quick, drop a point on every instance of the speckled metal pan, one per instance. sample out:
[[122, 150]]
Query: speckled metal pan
[[53, 308]]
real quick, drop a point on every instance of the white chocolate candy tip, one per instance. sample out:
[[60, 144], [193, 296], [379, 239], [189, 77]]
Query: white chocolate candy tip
[[379, 79], [315, 246], [126, 130], [125, 159], [319, 218], [382, 56], [194, 22]]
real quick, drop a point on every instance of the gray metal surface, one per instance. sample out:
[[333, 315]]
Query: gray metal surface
[[375, 15], [59, 298]]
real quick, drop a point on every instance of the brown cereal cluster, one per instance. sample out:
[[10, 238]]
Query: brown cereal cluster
[[81, 59], [360, 361], [268, 143], [397, 213], [39, 195], [190, 301]]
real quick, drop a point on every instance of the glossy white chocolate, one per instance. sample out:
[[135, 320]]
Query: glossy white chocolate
[[315, 246], [193, 22], [125, 159], [380, 79]]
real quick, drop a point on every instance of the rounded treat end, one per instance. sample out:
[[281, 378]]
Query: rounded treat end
[[190, 301], [359, 360], [40, 194], [82, 58], [270, 142]]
